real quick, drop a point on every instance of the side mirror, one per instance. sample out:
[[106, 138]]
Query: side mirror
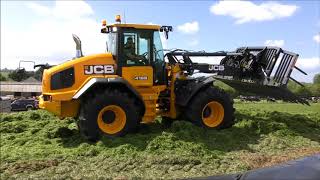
[[166, 30]]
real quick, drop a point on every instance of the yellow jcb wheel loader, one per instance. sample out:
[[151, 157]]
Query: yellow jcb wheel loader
[[135, 81]]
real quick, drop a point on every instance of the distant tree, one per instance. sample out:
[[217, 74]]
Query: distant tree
[[19, 75], [292, 86], [5, 70], [2, 77], [304, 91], [315, 90], [38, 74], [308, 90], [316, 79]]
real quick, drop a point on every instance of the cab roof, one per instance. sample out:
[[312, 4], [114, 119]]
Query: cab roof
[[138, 26]]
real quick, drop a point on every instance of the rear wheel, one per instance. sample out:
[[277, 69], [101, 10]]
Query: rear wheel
[[211, 108], [111, 113]]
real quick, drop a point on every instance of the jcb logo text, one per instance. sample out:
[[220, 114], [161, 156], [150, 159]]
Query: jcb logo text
[[98, 69]]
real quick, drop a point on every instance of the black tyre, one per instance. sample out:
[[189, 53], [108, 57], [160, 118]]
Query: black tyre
[[111, 113], [211, 108]]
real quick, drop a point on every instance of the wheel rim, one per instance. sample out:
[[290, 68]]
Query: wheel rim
[[114, 124], [213, 114]]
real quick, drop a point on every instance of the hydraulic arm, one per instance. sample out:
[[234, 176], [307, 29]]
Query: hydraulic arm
[[263, 71]]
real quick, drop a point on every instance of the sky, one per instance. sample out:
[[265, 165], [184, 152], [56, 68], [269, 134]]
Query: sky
[[41, 31]]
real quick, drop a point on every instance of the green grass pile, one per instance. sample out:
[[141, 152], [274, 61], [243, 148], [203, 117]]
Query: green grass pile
[[38, 145]]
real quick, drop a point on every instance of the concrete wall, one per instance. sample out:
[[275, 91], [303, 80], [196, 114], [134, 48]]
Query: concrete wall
[[20, 89], [20, 86]]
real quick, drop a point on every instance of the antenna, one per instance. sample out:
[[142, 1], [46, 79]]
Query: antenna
[[124, 16]]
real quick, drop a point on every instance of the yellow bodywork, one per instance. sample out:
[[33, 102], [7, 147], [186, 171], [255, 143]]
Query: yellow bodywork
[[61, 108], [61, 101], [64, 102], [174, 73], [81, 79], [130, 73], [148, 92], [63, 105]]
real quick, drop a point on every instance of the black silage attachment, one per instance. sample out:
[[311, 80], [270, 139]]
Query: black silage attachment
[[276, 63], [264, 71], [277, 66]]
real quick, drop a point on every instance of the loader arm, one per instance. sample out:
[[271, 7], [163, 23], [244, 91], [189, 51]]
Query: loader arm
[[264, 71]]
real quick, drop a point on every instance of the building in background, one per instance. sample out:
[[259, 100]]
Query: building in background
[[27, 88]]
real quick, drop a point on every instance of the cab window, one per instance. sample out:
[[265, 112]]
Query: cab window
[[111, 43], [158, 55], [136, 48], [158, 58]]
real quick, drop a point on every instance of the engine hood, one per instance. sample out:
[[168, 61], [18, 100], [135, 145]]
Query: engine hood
[[79, 66], [93, 59]]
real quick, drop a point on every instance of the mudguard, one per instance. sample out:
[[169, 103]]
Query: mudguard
[[95, 81], [186, 89]]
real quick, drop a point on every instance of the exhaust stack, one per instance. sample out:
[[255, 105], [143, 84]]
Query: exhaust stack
[[78, 46]]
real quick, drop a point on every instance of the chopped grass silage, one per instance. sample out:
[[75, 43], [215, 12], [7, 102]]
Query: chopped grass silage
[[37, 145]]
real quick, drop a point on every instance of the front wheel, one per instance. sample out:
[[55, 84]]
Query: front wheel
[[111, 113], [211, 108]]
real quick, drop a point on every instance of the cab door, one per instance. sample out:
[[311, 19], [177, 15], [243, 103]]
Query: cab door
[[160, 72], [136, 57]]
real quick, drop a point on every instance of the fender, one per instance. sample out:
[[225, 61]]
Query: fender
[[185, 90], [94, 81]]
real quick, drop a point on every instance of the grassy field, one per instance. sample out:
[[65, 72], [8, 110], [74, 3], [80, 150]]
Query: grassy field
[[38, 145]]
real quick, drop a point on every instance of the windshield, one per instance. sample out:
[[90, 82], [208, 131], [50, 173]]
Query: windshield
[[158, 51], [111, 43]]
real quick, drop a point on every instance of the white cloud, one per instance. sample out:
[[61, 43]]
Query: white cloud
[[309, 63], [50, 39], [189, 27], [278, 43], [246, 11], [39, 9], [316, 38], [63, 9]]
